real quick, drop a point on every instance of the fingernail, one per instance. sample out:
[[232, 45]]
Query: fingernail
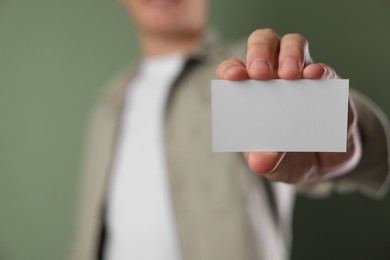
[[259, 65], [290, 64]]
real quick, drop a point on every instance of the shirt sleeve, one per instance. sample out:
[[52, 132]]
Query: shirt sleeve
[[368, 169]]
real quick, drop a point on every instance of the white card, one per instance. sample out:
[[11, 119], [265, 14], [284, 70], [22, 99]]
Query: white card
[[280, 115]]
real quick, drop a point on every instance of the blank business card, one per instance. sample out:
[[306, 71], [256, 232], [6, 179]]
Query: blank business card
[[279, 115]]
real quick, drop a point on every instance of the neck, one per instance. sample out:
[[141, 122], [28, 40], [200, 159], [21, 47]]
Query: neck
[[153, 45]]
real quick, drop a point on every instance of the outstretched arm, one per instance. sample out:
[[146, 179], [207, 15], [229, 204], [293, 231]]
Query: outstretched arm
[[270, 57]]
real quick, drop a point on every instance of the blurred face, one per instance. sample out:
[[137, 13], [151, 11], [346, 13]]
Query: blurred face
[[168, 17]]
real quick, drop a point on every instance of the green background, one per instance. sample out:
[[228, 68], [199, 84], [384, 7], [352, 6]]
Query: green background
[[55, 56]]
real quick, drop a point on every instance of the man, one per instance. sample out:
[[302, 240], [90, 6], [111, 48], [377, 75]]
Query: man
[[151, 182]]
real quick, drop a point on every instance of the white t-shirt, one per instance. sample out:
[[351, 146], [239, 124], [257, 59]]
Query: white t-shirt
[[140, 217]]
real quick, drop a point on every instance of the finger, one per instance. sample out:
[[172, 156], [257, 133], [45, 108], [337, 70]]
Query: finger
[[263, 162], [293, 54], [263, 45], [232, 69], [319, 71]]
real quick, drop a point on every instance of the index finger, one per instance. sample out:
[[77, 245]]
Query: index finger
[[232, 69]]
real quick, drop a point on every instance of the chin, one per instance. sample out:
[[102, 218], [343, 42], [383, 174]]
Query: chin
[[163, 25], [161, 3]]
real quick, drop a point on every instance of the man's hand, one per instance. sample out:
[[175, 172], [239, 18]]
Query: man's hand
[[271, 57]]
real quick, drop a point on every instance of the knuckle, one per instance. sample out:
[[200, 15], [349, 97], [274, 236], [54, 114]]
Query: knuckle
[[294, 50], [227, 64], [233, 60], [259, 46], [224, 63], [296, 37], [266, 32]]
